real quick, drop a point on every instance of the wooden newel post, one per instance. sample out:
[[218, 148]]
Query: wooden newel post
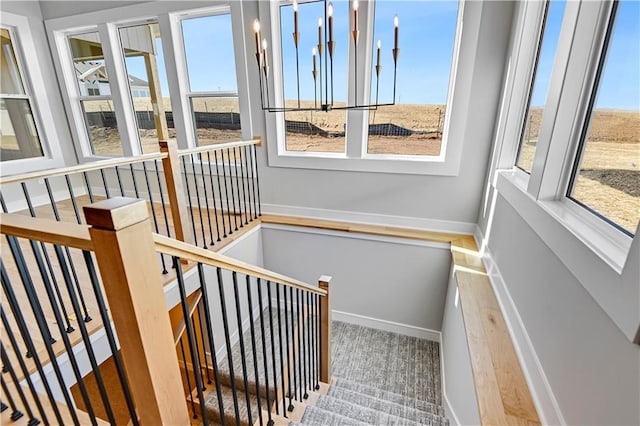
[[325, 330], [175, 190], [124, 248]]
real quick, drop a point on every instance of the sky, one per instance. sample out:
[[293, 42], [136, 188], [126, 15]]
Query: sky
[[426, 38], [620, 80]]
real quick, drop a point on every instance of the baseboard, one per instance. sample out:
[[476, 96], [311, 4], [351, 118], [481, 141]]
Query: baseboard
[[435, 225], [544, 399], [448, 411], [380, 324]]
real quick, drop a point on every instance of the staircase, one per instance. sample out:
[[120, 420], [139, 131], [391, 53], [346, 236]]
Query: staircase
[[346, 401]]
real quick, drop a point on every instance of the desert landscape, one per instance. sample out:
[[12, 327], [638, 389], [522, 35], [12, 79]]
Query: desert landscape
[[609, 179]]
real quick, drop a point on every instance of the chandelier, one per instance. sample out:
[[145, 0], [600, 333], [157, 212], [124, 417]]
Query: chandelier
[[323, 98]]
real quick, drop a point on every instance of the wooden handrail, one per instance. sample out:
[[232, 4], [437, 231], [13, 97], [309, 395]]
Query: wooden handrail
[[196, 254], [46, 230], [217, 147], [80, 168]]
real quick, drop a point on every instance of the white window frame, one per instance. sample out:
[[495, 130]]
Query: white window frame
[[591, 248], [355, 157], [31, 74], [168, 15]]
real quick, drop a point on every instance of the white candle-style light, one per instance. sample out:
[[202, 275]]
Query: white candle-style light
[[379, 46], [330, 13], [355, 15], [396, 25], [256, 29], [264, 53], [295, 17]]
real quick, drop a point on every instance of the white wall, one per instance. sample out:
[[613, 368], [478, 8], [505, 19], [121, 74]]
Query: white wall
[[457, 377], [393, 280], [593, 370]]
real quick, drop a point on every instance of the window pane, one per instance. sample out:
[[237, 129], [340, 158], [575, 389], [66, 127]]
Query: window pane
[[18, 134], [142, 49], [306, 130], [10, 80], [216, 119], [88, 62], [208, 45], [608, 177], [415, 124], [542, 76], [102, 128]]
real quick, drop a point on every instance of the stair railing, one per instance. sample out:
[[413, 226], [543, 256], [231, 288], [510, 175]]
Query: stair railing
[[280, 325]]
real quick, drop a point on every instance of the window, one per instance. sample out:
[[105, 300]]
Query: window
[[606, 175], [144, 61], [208, 46], [414, 126], [548, 46], [95, 94], [313, 131], [18, 131]]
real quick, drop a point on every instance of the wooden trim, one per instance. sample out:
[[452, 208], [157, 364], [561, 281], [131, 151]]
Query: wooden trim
[[129, 268], [217, 147], [196, 254], [325, 330], [96, 165], [192, 303], [175, 190], [386, 231], [46, 230]]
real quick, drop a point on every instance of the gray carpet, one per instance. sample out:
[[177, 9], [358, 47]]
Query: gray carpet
[[400, 364]]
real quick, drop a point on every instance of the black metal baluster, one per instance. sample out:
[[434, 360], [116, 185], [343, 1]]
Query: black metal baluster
[[253, 348], [46, 255], [195, 185], [293, 344], [239, 185], [119, 180], [87, 184], [26, 337], [317, 337], [15, 413], [302, 370], [191, 339], [253, 183], [153, 208], [255, 158], [264, 355], [212, 345], [273, 347], [186, 182], [104, 184], [286, 333], [213, 199], [164, 206], [193, 325], [73, 199], [279, 308], [36, 307], [243, 356], [224, 229], [85, 312], [307, 330], [204, 352], [233, 194], [186, 373], [245, 184], [85, 336], [106, 322], [225, 323], [249, 189], [226, 193], [206, 197]]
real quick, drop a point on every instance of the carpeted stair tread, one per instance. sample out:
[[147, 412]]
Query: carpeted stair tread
[[316, 416], [423, 417], [212, 410], [362, 413], [385, 395]]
